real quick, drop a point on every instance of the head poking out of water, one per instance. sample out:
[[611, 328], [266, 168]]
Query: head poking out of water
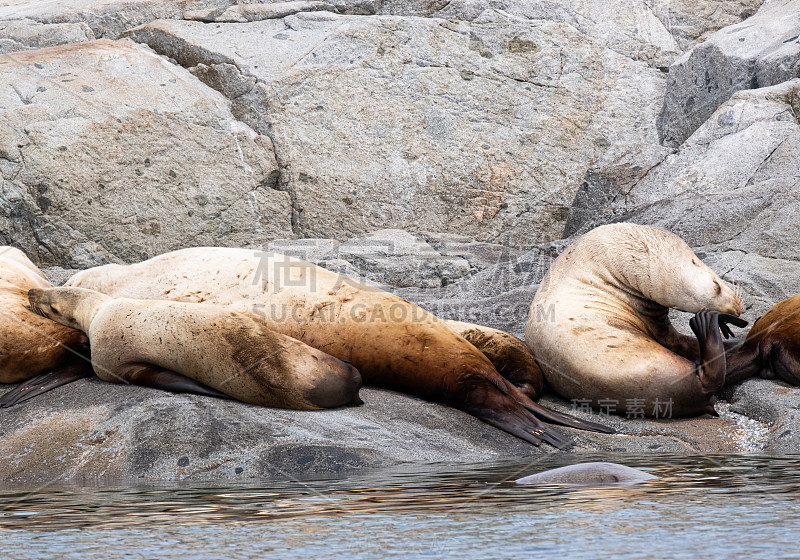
[[663, 268]]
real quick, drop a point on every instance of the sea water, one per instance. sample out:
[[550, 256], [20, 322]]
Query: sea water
[[714, 506]]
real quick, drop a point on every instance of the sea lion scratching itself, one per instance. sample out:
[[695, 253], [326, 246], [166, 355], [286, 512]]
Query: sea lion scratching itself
[[599, 324], [772, 347], [164, 343], [392, 343], [31, 347]]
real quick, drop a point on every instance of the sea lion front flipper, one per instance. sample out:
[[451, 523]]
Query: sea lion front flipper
[[724, 318], [711, 367], [44, 382], [148, 375]]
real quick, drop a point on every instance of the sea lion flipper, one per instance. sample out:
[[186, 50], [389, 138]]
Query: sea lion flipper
[[524, 426], [148, 375], [44, 382], [566, 420], [724, 318], [491, 398], [549, 415]]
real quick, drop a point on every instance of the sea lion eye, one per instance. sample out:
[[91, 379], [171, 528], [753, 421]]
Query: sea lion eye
[[55, 310], [694, 262], [717, 287]]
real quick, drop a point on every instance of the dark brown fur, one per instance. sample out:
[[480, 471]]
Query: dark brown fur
[[772, 347]]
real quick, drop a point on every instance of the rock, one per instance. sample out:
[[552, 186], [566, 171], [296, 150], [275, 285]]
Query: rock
[[25, 24], [654, 32], [106, 18], [255, 12], [729, 193], [93, 430], [589, 474], [482, 129], [761, 51], [773, 403], [25, 34], [498, 296], [109, 153]]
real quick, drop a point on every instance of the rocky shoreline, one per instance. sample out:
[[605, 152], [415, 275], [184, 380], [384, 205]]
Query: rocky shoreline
[[446, 151]]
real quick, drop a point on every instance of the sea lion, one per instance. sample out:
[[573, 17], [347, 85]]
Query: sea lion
[[599, 324], [134, 341], [392, 342], [509, 355], [589, 474], [31, 347], [772, 347]]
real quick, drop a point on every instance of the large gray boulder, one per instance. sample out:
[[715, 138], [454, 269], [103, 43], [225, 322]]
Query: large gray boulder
[[26, 34], [106, 18], [482, 129], [655, 32], [25, 25], [93, 430], [730, 193], [110, 153], [761, 51]]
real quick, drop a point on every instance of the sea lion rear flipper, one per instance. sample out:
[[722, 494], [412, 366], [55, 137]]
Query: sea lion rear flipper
[[524, 426], [566, 420], [480, 396], [558, 417], [44, 382], [148, 375]]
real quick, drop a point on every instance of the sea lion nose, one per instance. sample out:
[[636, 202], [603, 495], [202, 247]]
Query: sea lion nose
[[31, 292]]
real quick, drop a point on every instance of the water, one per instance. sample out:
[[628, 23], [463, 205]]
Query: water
[[702, 507]]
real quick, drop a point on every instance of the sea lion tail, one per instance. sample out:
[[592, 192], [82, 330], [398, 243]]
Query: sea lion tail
[[44, 382]]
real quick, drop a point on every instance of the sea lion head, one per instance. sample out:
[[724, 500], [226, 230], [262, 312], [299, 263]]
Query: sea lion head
[[663, 268], [702, 288], [71, 307]]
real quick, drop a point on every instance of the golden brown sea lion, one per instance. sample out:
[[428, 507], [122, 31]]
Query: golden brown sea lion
[[772, 347], [135, 341], [392, 343], [32, 347], [509, 355], [599, 324]]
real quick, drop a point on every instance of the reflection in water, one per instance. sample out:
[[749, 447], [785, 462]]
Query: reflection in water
[[751, 504]]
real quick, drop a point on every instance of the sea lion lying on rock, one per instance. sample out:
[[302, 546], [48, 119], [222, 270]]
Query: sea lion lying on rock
[[508, 354], [772, 347], [31, 347], [599, 324], [188, 347], [392, 343]]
